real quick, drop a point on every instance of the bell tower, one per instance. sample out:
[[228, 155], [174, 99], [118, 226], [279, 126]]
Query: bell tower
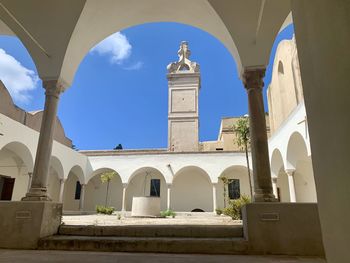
[[184, 84]]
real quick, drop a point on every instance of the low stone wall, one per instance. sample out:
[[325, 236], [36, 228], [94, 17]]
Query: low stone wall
[[283, 228], [22, 224]]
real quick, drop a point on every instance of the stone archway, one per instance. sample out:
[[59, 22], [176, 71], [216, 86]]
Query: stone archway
[[192, 189]]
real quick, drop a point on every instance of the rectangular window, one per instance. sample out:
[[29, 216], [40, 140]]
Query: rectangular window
[[234, 191], [155, 187], [77, 190]]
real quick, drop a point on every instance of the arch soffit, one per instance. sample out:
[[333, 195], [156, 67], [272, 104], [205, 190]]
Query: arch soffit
[[296, 149], [99, 171], [22, 151], [144, 169], [277, 162], [193, 167]]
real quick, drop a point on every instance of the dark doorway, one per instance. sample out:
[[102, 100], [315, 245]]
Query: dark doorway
[[7, 188]]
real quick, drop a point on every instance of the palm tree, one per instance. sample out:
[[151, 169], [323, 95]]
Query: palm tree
[[241, 129], [106, 178]]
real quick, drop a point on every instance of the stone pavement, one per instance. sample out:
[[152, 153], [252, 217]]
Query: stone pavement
[[38, 256]]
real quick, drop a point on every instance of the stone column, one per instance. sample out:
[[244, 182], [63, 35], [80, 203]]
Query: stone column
[[30, 175], [168, 197], [214, 198], [290, 174], [124, 197], [38, 188], [62, 181], [253, 82], [274, 187], [82, 197]]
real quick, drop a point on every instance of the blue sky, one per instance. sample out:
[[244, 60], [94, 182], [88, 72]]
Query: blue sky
[[119, 94]]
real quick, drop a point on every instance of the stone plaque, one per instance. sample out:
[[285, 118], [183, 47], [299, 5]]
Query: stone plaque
[[23, 215], [270, 217]]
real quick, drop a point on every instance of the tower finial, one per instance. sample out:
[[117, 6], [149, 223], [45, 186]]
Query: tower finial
[[183, 65], [184, 51]]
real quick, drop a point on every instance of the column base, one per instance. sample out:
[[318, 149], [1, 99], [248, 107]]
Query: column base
[[24, 223], [267, 197], [37, 194]]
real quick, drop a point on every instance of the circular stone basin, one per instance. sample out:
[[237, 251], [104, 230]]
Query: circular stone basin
[[145, 206]]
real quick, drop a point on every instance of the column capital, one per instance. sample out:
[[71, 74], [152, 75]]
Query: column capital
[[54, 87], [253, 77], [290, 172], [125, 185], [274, 179], [169, 185]]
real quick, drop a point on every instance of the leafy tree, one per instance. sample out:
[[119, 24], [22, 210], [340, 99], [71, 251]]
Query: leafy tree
[[241, 129], [119, 147], [106, 178]]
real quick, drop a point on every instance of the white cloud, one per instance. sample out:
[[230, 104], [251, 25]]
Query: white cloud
[[116, 46], [138, 65], [18, 79]]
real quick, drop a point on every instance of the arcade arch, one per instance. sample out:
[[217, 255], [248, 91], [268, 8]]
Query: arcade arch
[[236, 172], [143, 182], [16, 166], [301, 163], [96, 191], [56, 174], [191, 189], [70, 200]]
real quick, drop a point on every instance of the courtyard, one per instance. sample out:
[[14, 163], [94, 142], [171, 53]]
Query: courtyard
[[124, 219]]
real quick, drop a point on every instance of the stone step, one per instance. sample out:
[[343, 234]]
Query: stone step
[[145, 244], [194, 231]]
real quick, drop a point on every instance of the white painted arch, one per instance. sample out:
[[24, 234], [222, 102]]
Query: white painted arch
[[247, 29]]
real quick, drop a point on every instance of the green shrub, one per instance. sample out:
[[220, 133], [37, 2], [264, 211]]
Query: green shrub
[[100, 209], [235, 206], [168, 213], [218, 211]]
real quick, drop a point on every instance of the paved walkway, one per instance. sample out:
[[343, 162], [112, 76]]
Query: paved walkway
[[180, 219], [37, 256]]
